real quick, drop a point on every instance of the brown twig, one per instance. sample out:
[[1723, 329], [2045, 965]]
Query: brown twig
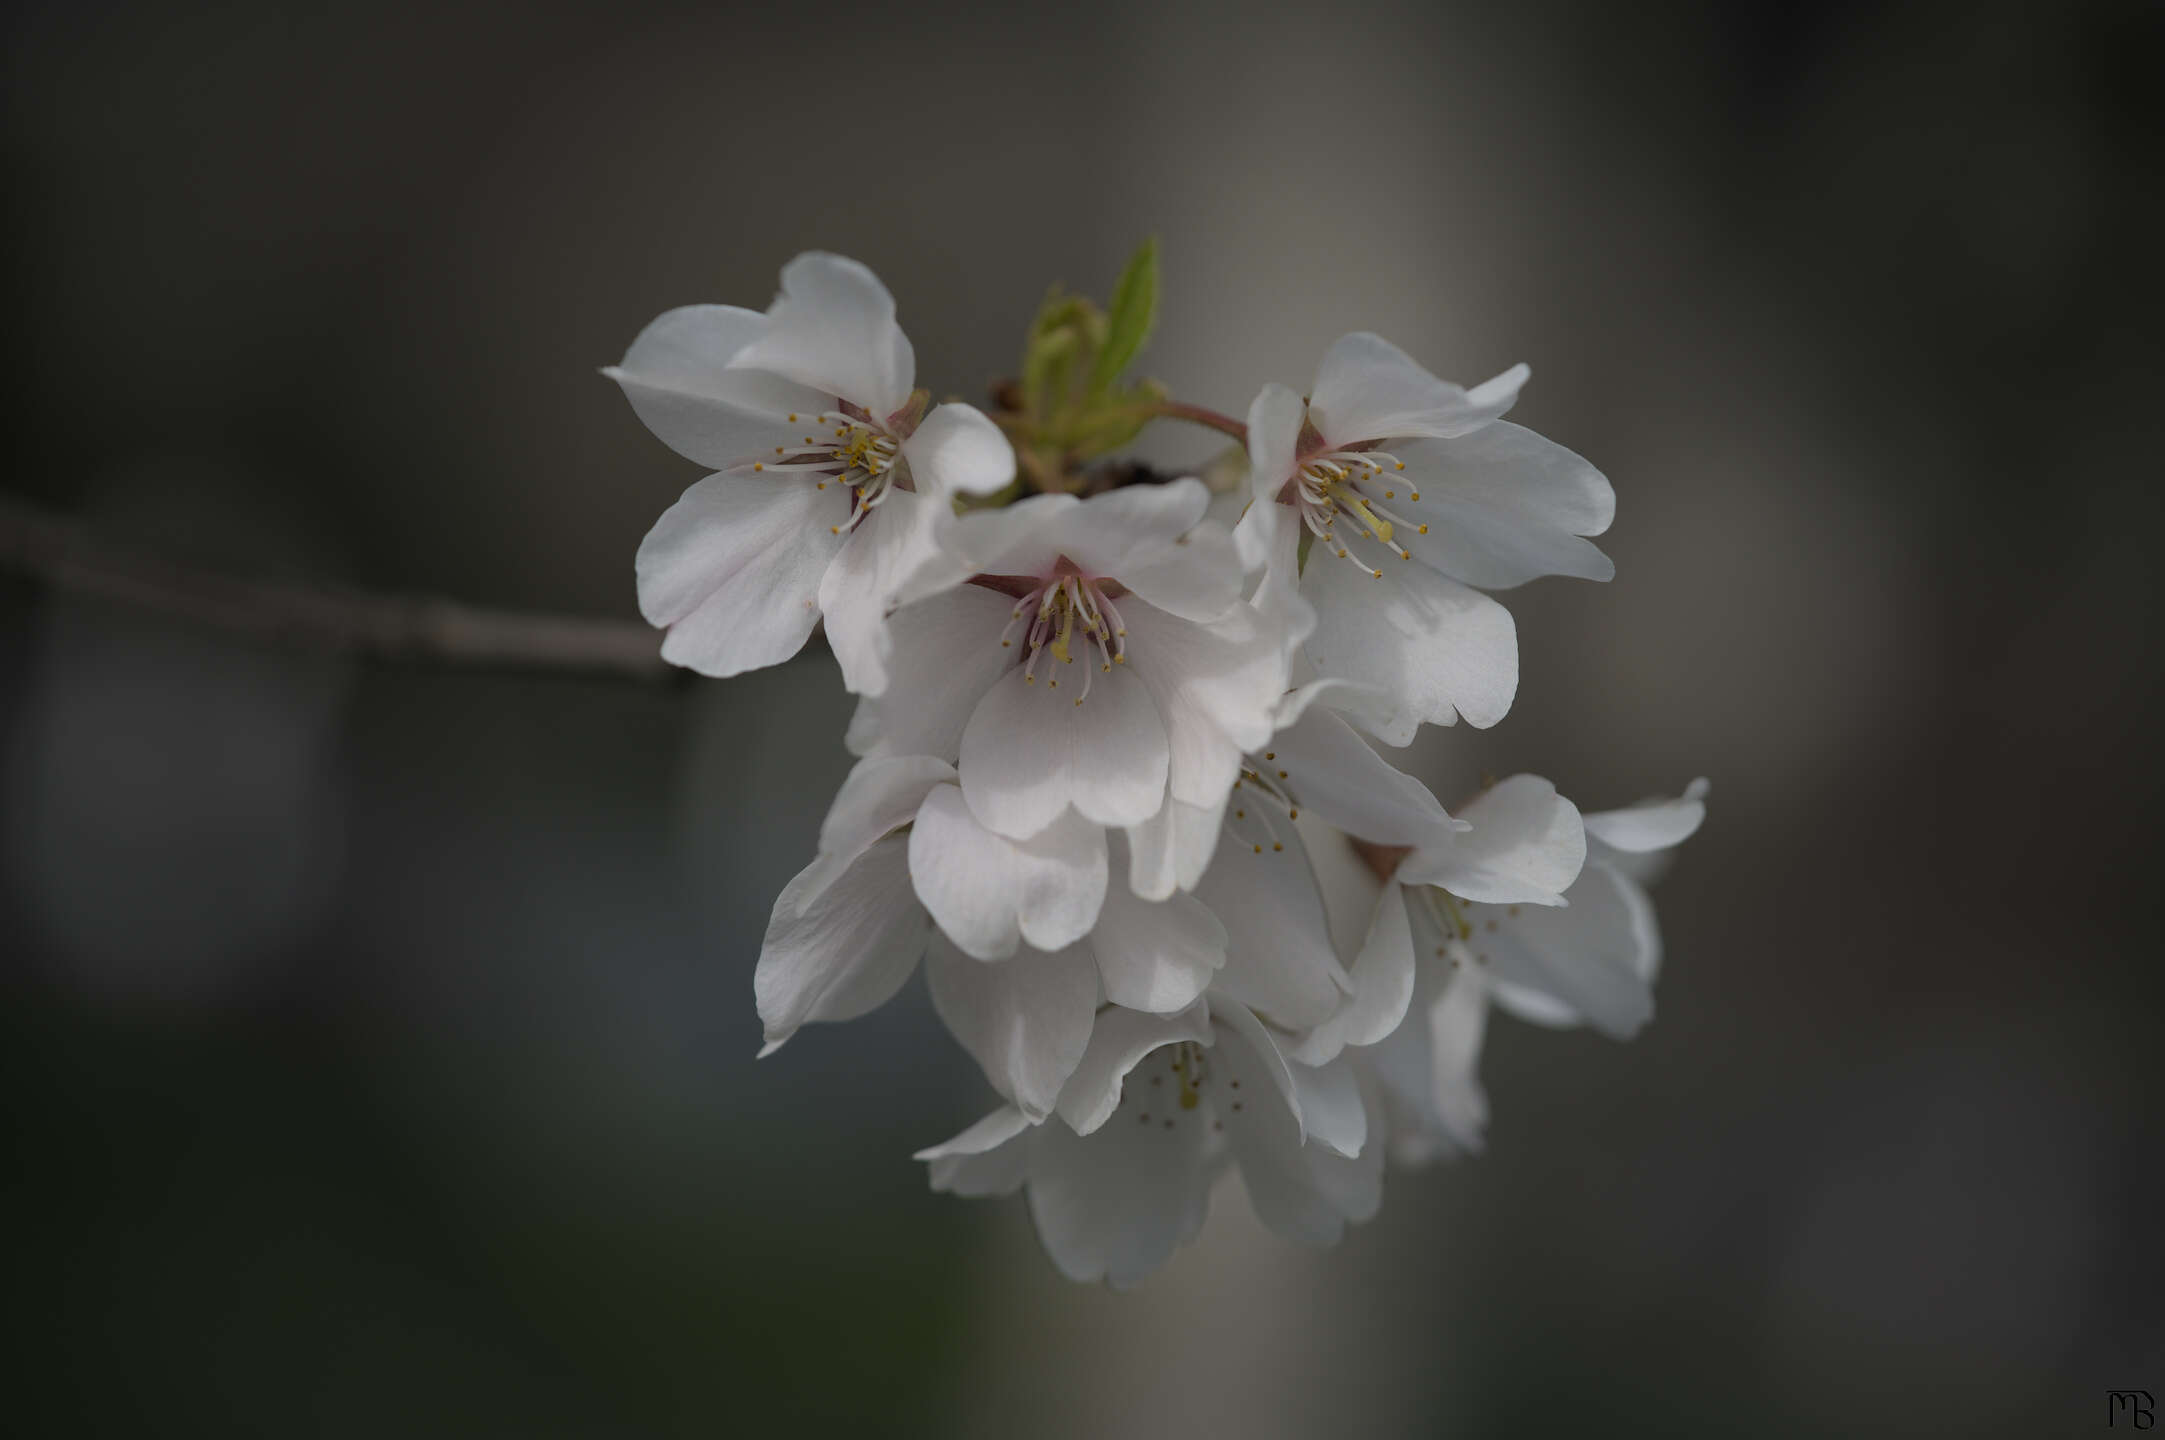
[[66, 555]]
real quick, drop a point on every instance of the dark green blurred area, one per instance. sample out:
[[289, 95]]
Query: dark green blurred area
[[378, 1040]]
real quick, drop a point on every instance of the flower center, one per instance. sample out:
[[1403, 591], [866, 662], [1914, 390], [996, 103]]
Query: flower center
[[1168, 1089], [1348, 487], [1050, 616], [844, 449], [1262, 806]]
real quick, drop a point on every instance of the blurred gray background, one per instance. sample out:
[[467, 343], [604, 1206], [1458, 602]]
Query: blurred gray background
[[378, 1038]]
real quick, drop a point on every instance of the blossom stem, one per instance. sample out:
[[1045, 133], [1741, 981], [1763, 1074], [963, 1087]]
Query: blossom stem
[[66, 555], [1198, 415]]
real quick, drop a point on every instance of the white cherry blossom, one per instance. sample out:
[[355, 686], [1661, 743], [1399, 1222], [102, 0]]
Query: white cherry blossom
[[1121, 1175], [1522, 845], [1595, 962], [1030, 940], [1590, 961], [1100, 661], [1413, 492], [832, 481]]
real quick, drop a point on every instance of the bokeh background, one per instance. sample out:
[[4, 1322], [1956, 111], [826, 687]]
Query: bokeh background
[[376, 1044]]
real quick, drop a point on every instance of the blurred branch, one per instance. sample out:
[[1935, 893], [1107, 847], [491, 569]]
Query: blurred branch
[[67, 556]]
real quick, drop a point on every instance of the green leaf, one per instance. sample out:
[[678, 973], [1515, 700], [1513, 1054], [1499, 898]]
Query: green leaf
[[1134, 311], [1045, 369]]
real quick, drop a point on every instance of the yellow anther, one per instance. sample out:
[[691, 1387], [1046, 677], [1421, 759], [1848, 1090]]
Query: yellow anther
[[759, 465], [1424, 529]]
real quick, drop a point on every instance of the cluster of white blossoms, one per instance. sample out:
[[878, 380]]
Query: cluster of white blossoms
[[1117, 786]]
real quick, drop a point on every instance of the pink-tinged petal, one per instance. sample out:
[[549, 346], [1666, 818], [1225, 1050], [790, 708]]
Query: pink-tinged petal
[[832, 329], [1031, 751], [1437, 648], [1025, 1020], [1122, 1040], [733, 570], [677, 377], [845, 951], [990, 893], [1368, 389]]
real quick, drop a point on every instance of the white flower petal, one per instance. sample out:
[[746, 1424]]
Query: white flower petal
[[1305, 1192], [880, 795], [1279, 958], [1274, 422], [1368, 921], [1329, 769], [1170, 851], [1369, 389], [1022, 539], [1658, 824], [1155, 955], [1456, 1023], [1331, 1113], [677, 378], [1115, 1204], [990, 893], [1025, 1020], [1031, 751], [1439, 649], [832, 328], [1105, 533], [1196, 577], [891, 546], [957, 451], [1591, 962], [1217, 687], [845, 952], [990, 1158], [1526, 844], [1503, 506], [733, 570], [1120, 1042], [1277, 599], [946, 654]]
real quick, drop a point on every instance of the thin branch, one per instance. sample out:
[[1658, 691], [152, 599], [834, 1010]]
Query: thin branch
[[66, 555], [1199, 415]]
